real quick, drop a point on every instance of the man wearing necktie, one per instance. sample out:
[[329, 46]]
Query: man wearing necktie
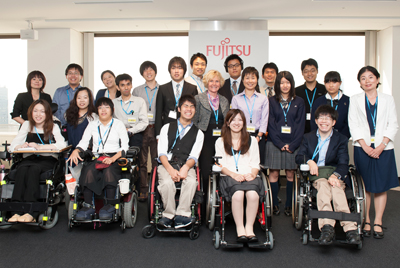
[[269, 72]]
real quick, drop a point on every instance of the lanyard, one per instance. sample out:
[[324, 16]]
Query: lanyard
[[236, 159], [40, 137], [285, 114], [131, 112], [68, 96], [252, 108], [318, 148], [100, 138], [312, 101], [178, 133], [212, 107], [108, 93], [338, 101], [197, 83], [369, 108], [152, 98]]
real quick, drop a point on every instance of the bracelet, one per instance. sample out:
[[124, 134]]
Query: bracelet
[[385, 144]]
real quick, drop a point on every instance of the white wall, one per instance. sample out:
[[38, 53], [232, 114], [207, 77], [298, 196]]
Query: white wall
[[51, 54]]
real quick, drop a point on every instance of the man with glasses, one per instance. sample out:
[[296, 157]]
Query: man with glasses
[[169, 94], [311, 89], [64, 95], [198, 63]]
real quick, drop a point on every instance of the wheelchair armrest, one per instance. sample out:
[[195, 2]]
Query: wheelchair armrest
[[132, 152], [86, 155]]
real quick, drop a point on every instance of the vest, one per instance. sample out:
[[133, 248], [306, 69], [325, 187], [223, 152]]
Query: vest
[[183, 147]]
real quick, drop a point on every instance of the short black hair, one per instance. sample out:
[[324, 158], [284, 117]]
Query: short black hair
[[332, 76], [197, 55], [232, 57], [74, 66], [104, 101], [188, 98], [270, 65], [177, 60], [107, 71], [147, 64], [310, 62], [123, 77], [373, 70], [326, 110], [250, 70]]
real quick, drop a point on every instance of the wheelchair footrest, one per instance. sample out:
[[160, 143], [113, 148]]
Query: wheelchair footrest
[[259, 245], [231, 245], [23, 206], [341, 216]]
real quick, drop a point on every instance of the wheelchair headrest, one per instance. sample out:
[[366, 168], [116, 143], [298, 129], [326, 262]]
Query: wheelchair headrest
[[54, 107], [132, 152]]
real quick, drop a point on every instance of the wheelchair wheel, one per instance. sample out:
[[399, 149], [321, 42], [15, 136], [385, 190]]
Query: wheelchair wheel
[[50, 222], [129, 214], [305, 239], [194, 233], [3, 215], [216, 239], [359, 246], [268, 195], [271, 240], [151, 195], [359, 193], [149, 231], [297, 203], [211, 202]]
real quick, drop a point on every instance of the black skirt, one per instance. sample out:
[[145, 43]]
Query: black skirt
[[229, 186]]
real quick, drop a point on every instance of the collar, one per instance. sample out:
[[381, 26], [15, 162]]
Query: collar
[[337, 97], [151, 89], [174, 85], [217, 97], [179, 123], [244, 93], [108, 124], [67, 87], [237, 80], [319, 136], [131, 99], [196, 77], [266, 87]]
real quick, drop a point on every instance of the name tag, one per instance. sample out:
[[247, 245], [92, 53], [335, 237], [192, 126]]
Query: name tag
[[251, 129], [230, 106], [372, 139], [216, 132], [286, 130], [308, 116], [150, 116], [132, 119], [172, 114]]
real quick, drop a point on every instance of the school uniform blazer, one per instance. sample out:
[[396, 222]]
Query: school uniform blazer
[[165, 102], [337, 154], [203, 113], [386, 120]]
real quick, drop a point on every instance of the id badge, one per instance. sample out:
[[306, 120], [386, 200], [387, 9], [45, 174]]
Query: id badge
[[132, 119], [286, 130], [373, 139], [308, 116], [172, 114], [150, 116], [251, 129], [216, 132], [230, 106]]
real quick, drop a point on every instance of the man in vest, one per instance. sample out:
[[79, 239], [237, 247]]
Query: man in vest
[[179, 147]]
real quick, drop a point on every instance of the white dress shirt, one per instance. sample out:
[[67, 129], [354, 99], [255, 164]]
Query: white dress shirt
[[197, 81], [137, 121]]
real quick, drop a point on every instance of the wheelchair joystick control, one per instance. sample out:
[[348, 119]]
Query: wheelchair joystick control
[[304, 167], [217, 166]]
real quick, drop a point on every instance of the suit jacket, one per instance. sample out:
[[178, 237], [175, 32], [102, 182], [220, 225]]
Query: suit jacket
[[337, 154], [227, 92], [386, 120], [165, 103], [203, 113]]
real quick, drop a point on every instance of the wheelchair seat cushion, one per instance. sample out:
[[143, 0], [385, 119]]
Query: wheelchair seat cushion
[[229, 186], [43, 177]]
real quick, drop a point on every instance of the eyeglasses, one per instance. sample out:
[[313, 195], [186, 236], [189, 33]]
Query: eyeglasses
[[75, 73], [202, 64], [326, 118], [313, 71], [234, 66]]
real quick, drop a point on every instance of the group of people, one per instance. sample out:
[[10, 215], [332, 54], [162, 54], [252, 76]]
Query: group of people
[[187, 121]]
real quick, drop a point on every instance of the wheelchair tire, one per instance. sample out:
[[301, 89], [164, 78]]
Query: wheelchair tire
[[216, 239], [129, 213], [3, 227], [267, 201], [50, 223], [149, 231], [305, 239], [212, 201], [297, 203], [359, 246], [194, 233], [359, 192], [271, 240]]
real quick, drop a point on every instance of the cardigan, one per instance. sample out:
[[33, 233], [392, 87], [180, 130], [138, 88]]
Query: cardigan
[[203, 113]]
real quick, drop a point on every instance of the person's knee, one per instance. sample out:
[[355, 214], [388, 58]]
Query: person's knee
[[238, 196], [252, 196]]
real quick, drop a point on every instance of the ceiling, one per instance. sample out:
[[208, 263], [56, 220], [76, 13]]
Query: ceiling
[[175, 15]]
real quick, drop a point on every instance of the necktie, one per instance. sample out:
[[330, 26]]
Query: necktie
[[234, 87], [285, 104], [177, 91], [269, 92], [335, 102]]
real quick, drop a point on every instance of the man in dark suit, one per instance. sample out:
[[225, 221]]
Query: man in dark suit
[[169, 94], [326, 153]]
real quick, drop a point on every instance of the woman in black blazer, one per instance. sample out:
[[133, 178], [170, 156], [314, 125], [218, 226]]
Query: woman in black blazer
[[111, 91]]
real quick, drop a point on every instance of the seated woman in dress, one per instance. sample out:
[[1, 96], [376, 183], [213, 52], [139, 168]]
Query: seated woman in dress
[[38, 132], [35, 83], [240, 165], [111, 91], [109, 139], [80, 112]]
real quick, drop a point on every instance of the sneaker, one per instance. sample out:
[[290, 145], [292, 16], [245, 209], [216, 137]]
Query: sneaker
[[327, 235], [165, 222], [182, 221], [288, 211], [276, 210], [85, 213], [107, 212], [353, 238]]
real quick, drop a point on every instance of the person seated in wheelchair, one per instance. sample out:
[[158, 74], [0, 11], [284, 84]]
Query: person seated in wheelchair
[[179, 147], [326, 153], [37, 133], [240, 165], [109, 140]]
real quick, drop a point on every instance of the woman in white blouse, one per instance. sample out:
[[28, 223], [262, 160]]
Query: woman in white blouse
[[240, 165], [37, 133], [110, 138]]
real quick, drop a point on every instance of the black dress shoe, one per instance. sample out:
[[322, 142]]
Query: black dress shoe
[[252, 239], [378, 235], [288, 211], [276, 210], [353, 238], [327, 235], [242, 239], [365, 232]]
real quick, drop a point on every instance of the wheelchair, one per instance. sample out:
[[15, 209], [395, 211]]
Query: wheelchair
[[216, 211], [51, 193], [155, 208], [125, 203], [304, 208]]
